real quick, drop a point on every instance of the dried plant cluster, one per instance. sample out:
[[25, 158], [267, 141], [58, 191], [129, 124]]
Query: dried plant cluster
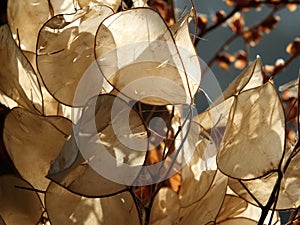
[[238, 162]]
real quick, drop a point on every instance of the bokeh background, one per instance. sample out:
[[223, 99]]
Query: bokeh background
[[271, 47]]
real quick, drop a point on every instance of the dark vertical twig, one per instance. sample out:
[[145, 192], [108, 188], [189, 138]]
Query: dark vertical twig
[[267, 207], [172, 10]]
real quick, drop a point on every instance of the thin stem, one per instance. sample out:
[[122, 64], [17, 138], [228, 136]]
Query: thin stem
[[168, 134], [51, 10], [149, 117], [226, 43], [274, 206], [196, 20], [250, 193], [31, 189], [236, 35], [148, 209], [189, 117], [172, 11], [267, 207], [139, 205], [286, 64], [211, 28]]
